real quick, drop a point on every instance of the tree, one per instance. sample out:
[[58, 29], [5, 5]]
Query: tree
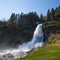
[[33, 17], [12, 21], [48, 15], [57, 14], [41, 17], [20, 19], [52, 14]]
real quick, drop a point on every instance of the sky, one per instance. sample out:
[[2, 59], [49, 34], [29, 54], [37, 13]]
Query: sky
[[7, 7]]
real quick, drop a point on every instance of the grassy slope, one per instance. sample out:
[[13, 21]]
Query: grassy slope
[[50, 51]]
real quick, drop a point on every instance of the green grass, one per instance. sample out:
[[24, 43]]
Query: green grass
[[48, 52]]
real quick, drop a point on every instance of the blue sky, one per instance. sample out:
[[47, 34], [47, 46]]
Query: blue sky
[[7, 7]]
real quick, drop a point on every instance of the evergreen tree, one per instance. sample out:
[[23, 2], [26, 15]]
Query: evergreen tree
[[48, 15], [12, 21], [52, 14], [41, 18]]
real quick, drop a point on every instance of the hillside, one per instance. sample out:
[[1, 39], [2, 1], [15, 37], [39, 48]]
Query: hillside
[[51, 51], [19, 28]]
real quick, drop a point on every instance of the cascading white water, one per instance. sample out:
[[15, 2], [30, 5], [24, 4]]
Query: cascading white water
[[21, 51], [38, 37], [37, 40]]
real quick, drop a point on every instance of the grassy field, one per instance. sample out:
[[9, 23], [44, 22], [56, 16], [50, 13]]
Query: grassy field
[[51, 51]]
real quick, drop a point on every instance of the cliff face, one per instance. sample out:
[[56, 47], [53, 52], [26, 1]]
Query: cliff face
[[50, 28]]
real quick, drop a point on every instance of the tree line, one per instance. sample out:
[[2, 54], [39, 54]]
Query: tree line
[[32, 18]]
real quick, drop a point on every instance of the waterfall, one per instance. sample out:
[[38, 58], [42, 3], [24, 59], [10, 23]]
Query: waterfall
[[38, 36], [21, 51], [37, 40]]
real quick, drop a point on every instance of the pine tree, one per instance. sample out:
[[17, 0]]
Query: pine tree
[[52, 14], [12, 20], [48, 15]]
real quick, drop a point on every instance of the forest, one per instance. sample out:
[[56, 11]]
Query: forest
[[19, 28]]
